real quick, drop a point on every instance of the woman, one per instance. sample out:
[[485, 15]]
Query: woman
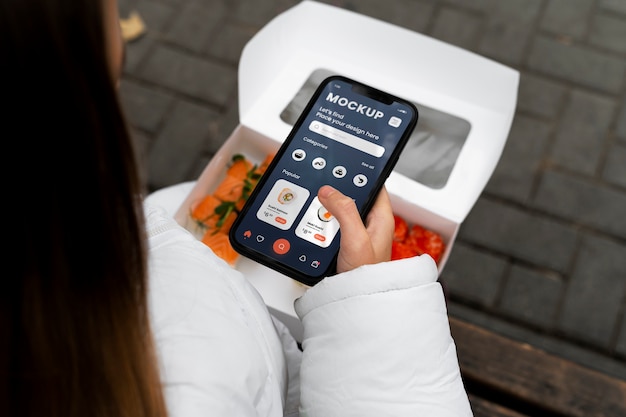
[[75, 331], [81, 319]]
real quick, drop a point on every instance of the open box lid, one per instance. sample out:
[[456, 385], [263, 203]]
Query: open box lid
[[278, 60]]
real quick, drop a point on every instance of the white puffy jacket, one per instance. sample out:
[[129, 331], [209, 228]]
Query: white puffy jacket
[[376, 339]]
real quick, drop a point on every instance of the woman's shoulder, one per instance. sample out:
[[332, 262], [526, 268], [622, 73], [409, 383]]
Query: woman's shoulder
[[170, 198]]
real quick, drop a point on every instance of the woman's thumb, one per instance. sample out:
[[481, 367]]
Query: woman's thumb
[[343, 208]]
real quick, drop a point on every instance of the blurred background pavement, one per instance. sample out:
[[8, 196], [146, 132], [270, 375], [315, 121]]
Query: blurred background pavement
[[541, 258]]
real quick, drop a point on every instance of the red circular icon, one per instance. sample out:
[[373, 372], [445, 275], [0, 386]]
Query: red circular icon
[[281, 246]]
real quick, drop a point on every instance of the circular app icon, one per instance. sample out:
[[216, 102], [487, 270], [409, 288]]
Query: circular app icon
[[339, 171], [298, 154], [281, 246], [359, 180], [319, 163]]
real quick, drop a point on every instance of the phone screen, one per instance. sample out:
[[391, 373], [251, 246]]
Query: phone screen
[[349, 136]]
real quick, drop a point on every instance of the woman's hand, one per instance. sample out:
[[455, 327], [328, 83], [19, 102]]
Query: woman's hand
[[360, 244]]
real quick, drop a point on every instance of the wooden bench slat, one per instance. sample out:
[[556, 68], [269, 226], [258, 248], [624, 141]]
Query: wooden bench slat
[[531, 376], [484, 408]]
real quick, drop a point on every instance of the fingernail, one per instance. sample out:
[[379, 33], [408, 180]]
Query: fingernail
[[325, 191]]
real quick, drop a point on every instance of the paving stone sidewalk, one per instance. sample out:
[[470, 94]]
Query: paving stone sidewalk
[[542, 255]]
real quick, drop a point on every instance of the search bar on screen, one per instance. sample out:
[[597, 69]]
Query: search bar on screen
[[346, 138]]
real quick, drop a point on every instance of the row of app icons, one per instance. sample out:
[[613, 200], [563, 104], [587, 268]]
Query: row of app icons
[[339, 171], [281, 246]]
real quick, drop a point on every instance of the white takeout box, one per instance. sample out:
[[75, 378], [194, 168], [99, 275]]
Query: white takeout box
[[283, 56]]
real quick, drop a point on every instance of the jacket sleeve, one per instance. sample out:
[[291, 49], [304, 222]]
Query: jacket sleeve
[[218, 349], [377, 343]]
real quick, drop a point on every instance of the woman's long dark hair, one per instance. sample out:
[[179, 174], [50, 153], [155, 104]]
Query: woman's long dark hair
[[75, 338]]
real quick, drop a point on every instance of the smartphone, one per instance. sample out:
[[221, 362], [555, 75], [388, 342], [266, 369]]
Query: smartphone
[[349, 136]]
